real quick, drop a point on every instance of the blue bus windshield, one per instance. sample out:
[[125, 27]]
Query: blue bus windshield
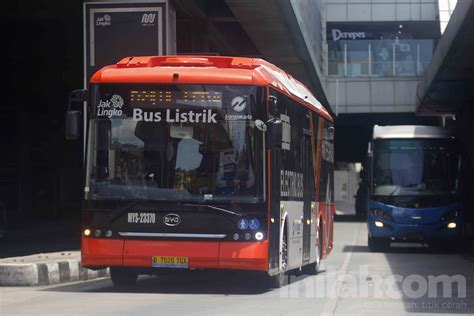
[[415, 167]]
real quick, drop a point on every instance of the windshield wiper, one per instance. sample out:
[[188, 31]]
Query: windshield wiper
[[402, 186], [385, 198], [117, 213], [214, 208]]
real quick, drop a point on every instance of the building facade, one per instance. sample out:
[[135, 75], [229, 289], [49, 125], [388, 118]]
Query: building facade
[[377, 51]]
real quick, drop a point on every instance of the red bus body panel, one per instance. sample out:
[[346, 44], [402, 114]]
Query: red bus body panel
[[244, 255], [207, 70], [201, 254], [326, 216], [138, 253], [101, 252]]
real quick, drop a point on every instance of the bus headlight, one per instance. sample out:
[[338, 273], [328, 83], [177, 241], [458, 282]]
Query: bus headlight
[[97, 233], [452, 225], [259, 236], [247, 236], [87, 232], [382, 214], [378, 224]]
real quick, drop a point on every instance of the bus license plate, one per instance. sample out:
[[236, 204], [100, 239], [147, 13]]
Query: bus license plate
[[169, 262]]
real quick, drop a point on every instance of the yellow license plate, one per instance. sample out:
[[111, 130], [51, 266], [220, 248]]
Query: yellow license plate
[[169, 262]]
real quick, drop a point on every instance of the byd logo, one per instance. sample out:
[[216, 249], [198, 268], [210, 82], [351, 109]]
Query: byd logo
[[171, 219]]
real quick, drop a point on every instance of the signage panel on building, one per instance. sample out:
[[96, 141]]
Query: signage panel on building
[[337, 31], [113, 30]]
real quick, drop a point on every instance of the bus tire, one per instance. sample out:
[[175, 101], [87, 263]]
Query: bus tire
[[278, 280], [378, 244], [315, 267], [123, 276]]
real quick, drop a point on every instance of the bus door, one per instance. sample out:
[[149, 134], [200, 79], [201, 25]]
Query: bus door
[[327, 172], [308, 189]]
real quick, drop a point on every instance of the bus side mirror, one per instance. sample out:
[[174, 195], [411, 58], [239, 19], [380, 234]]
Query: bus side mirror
[[73, 123], [73, 118], [274, 134]]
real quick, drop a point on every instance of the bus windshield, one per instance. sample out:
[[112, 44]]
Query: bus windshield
[[175, 142], [415, 167]]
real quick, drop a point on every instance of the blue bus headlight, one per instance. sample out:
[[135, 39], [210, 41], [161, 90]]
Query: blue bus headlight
[[451, 225], [382, 214], [449, 216]]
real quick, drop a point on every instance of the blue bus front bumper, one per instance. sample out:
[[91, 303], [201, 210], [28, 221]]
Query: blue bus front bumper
[[412, 232]]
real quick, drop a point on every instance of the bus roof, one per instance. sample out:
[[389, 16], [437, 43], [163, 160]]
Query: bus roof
[[207, 70], [409, 131]]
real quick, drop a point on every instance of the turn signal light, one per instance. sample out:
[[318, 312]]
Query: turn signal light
[[449, 216], [382, 214]]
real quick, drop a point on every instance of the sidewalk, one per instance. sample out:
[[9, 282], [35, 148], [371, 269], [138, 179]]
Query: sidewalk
[[46, 269]]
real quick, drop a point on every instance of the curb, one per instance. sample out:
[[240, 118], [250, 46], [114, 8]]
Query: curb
[[48, 273]]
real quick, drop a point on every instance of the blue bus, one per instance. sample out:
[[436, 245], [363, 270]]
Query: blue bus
[[414, 186]]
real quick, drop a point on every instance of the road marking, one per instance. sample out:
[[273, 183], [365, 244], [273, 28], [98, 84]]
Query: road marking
[[331, 302]]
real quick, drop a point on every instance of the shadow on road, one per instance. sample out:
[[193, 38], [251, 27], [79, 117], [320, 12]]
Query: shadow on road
[[418, 266], [407, 248], [348, 218], [182, 282], [185, 282]]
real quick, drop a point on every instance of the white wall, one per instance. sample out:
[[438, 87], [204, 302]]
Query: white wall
[[377, 95], [381, 10]]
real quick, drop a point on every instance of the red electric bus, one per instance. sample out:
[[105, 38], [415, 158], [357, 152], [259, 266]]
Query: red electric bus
[[204, 163]]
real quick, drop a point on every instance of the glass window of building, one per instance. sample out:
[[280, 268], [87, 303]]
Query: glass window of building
[[381, 49]]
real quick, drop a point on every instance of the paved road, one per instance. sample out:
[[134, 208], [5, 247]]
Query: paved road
[[355, 281]]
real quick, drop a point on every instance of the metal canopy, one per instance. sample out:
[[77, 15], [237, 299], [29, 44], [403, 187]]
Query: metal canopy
[[273, 28], [448, 83]]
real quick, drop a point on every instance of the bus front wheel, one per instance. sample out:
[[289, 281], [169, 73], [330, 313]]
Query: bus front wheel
[[123, 276], [277, 281], [378, 244], [315, 267]]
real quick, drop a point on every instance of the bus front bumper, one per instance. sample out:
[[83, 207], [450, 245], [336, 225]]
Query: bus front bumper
[[412, 232], [99, 252]]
